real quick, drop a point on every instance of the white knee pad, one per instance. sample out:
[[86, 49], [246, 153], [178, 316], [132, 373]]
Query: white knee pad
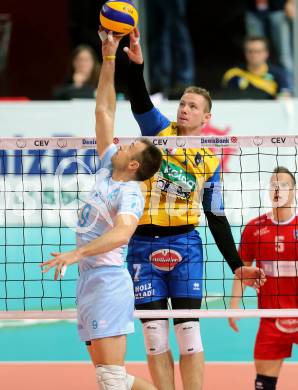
[[156, 335], [189, 337], [111, 377]]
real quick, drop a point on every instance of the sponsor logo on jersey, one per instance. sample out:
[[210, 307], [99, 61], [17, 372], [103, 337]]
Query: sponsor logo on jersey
[[198, 159], [196, 286], [261, 232], [144, 290], [177, 174], [277, 269], [296, 234], [165, 259], [287, 325], [172, 188]]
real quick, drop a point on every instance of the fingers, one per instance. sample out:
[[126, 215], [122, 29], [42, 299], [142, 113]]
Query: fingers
[[137, 58], [110, 36], [102, 34], [252, 276], [57, 271], [61, 267], [233, 324], [63, 270], [131, 55], [136, 32], [60, 270], [48, 265]]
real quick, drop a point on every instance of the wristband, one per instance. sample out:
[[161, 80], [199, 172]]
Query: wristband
[[109, 58]]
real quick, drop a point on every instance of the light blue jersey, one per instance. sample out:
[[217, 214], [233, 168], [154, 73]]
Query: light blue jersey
[[105, 299], [106, 201]]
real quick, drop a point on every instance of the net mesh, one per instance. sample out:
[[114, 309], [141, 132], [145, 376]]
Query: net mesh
[[44, 183]]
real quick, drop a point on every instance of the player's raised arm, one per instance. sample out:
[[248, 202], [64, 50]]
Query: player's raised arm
[[106, 95], [151, 121], [221, 231]]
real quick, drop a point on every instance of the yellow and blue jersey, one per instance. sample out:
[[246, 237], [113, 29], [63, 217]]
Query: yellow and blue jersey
[[187, 178], [240, 83]]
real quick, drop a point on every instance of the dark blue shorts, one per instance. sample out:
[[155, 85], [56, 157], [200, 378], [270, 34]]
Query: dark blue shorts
[[166, 267]]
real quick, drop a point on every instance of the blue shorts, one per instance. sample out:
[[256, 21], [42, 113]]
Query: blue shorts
[[105, 303], [166, 267]]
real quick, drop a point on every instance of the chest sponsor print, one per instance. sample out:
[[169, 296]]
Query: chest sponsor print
[[172, 188], [287, 325], [165, 259]]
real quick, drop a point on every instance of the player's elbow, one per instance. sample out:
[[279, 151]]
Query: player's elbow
[[103, 113], [100, 109], [124, 238]]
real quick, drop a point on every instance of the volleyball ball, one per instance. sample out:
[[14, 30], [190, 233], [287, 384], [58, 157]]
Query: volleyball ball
[[120, 17]]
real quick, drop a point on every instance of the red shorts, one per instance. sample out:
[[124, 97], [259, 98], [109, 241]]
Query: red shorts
[[275, 338]]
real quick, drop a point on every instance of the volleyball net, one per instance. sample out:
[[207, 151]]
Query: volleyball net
[[44, 183]]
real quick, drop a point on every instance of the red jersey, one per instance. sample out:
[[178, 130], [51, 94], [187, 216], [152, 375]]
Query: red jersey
[[274, 247]]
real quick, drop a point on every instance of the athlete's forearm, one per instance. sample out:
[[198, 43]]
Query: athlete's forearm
[[115, 238], [221, 231], [137, 92], [237, 293], [105, 104]]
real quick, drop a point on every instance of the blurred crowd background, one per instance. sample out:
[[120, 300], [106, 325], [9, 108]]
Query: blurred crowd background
[[238, 49]]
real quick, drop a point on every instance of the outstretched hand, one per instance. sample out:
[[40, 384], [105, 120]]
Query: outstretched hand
[[134, 51], [60, 261], [233, 323], [251, 276], [109, 42]]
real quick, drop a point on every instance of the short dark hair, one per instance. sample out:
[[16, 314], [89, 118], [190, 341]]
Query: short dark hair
[[285, 170], [256, 38], [150, 161], [202, 92]]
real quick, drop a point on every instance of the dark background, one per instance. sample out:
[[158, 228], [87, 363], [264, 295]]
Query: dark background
[[44, 34]]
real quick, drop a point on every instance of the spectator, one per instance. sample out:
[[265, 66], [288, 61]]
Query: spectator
[[272, 19], [170, 48], [81, 81], [256, 79]]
